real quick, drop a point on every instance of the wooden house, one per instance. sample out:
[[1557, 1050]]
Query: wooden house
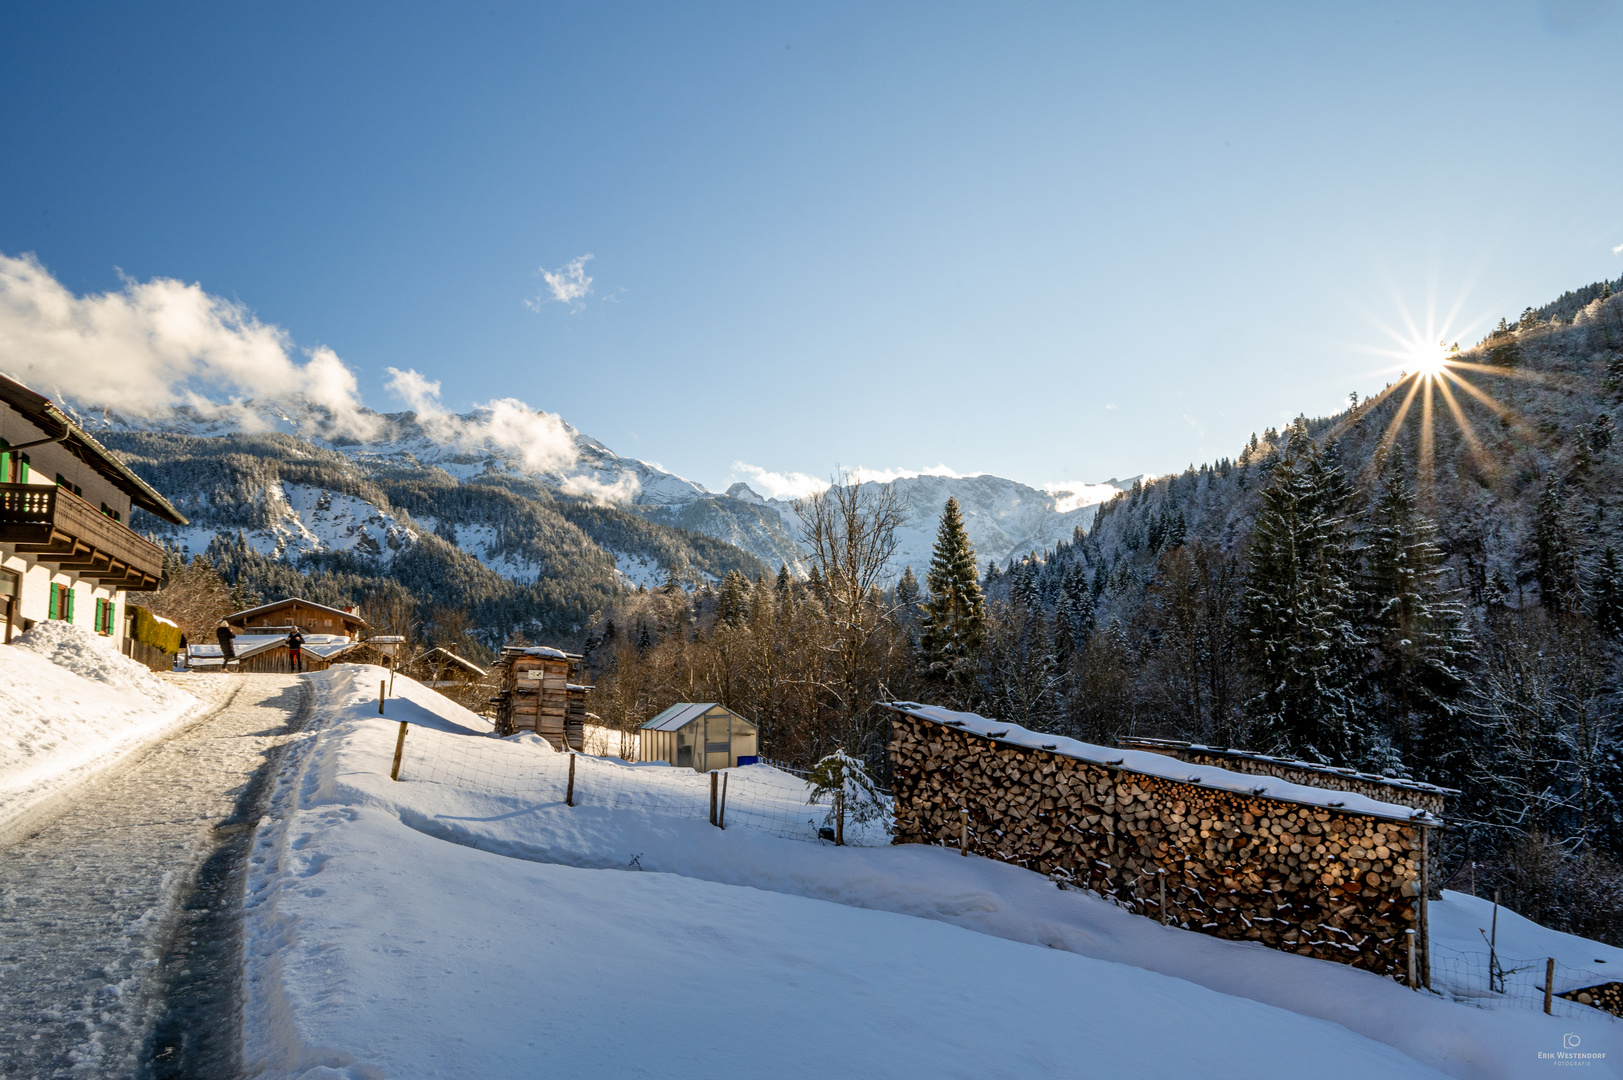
[[308, 616], [702, 736], [441, 669], [67, 550], [541, 689]]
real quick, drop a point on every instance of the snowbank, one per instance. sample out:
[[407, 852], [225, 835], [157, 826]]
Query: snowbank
[[529, 943], [69, 706]]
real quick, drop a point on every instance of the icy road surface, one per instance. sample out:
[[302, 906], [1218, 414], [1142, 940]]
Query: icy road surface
[[120, 940]]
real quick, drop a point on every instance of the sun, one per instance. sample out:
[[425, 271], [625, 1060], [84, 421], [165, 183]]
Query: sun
[[1430, 361]]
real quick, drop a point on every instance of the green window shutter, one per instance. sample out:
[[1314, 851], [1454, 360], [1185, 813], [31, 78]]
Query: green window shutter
[[56, 591], [70, 593], [22, 468]]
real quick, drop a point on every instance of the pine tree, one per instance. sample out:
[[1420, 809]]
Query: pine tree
[[1074, 615], [732, 605], [955, 614], [1298, 605], [1608, 595], [908, 591], [1416, 630], [1557, 551]]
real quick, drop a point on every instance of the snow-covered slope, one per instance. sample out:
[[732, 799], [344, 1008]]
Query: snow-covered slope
[[370, 955]]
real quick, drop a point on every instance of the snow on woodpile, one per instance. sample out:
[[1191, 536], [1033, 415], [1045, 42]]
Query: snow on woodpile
[[70, 704], [1328, 874]]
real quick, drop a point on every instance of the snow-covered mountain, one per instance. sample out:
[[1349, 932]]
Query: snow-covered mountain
[[1005, 518]]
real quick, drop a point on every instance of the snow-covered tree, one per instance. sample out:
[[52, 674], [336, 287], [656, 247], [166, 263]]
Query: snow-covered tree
[[859, 798], [1298, 609], [1415, 628]]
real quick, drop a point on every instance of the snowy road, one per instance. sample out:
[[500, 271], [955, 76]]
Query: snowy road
[[120, 945]]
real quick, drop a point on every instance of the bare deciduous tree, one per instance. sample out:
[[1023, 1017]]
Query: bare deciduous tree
[[849, 535]]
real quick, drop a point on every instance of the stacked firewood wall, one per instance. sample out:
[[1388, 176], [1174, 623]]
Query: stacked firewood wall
[[1309, 879], [1606, 996], [1432, 801], [540, 692]]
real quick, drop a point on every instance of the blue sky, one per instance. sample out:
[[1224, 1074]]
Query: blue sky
[[1053, 242]]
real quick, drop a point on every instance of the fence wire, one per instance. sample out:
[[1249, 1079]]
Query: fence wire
[[758, 798], [1491, 980]]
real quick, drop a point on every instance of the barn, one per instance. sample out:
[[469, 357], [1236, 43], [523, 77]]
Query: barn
[[702, 736]]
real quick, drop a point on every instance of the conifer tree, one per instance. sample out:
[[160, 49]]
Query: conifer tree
[[1557, 551], [1608, 595], [954, 616], [1297, 608], [907, 591], [732, 605], [1416, 630]]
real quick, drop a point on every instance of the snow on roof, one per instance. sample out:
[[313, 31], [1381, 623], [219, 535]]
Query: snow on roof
[[1149, 763], [1292, 763], [546, 650]]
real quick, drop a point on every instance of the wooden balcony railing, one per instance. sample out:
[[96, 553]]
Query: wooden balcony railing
[[54, 526]]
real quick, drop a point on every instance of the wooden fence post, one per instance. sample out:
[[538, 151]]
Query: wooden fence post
[[839, 816], [381, 684], [963, 834], [1162, 876], [1414, 983], [1425, 909], [399, 748], [721, 814], [713, 787], [569, 793], [1549, 982]]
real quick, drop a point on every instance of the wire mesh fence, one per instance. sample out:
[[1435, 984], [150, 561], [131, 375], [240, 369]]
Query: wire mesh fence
[[758, 798], [1492, 980]]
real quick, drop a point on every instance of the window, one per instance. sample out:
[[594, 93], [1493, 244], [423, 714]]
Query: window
[[104, 616], [108, 511], [61, 603], [64, 482]]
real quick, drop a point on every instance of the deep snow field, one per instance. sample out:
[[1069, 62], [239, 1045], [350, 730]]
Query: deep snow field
[[464, 922], [71, 705]]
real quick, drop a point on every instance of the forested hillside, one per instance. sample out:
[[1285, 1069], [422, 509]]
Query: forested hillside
[[1426, 584], [497, 556]]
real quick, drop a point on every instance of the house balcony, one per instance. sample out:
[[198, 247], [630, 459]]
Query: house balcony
[[54, 526]]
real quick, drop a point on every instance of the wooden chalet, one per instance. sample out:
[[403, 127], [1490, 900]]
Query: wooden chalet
[[442, 669], [541, 689], [308, 616], [67, 551]]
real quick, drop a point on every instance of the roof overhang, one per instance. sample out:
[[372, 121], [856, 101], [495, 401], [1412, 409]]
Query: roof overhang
[[45, 415]]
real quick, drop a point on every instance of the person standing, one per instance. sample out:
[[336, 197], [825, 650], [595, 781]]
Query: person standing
[[228, 652], [295, 649]]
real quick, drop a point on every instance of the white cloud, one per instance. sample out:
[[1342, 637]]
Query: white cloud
[[544, 442], [618, 493], [570, 284], [795, 485], [158, 344], [1074, 494], [777, 485], [884, 476], [1618, 250]]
